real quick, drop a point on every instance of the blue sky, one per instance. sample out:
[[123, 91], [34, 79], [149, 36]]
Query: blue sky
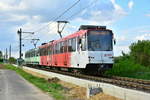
[[129, 20]]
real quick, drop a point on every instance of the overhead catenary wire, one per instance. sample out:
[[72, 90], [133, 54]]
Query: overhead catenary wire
[[56, 18], [74, 14], [78, 12]]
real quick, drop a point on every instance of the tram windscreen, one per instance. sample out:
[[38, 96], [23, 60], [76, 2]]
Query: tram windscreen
[[100, 40]]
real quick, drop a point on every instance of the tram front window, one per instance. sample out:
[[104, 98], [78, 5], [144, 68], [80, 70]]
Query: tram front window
[[100, 41]]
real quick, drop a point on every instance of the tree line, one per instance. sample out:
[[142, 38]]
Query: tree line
[[140, 52], [10, 60]]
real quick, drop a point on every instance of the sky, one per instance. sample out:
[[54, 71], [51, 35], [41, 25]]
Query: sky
[[128, 19]]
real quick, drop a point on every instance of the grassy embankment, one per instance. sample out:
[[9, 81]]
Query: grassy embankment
[[54, 89], [126, 67]]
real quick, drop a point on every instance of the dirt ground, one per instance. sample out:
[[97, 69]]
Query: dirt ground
[[74, 92], [79, 93], [1, 66]]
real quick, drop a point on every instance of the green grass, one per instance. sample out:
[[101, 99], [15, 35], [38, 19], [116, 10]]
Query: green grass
[[1, 62], [127, 68], [54, 89]]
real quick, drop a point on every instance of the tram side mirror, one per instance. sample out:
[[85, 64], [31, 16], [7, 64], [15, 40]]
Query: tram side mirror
[[79, 41], [114, 41]]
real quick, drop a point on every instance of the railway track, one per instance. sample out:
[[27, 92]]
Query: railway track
[[136, 84]]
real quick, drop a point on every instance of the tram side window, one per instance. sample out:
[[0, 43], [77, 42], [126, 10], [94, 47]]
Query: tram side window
[[61, 47], [31, 53], [46, 49], [40, 52], [49, 50], [57, 48], [83, 48], [73, 44], [25, 55], [65, 45], [69, 45], [37, 52], [78, 44], [54, 49], [28, 55]]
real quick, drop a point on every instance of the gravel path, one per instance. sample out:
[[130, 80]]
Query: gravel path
[[14, 87]]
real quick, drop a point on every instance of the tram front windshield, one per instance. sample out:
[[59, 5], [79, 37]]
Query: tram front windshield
[[100, 40]]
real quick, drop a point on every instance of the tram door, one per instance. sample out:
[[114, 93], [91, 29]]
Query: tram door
[[81, 49]]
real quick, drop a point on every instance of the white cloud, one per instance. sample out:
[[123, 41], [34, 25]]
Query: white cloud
[[143, 37], [130, 4], [103, 16], [14, 17], [11, 7], [16, 5], [147, 15], [118, 9], [119, 49], [101, 13], [120, 38]]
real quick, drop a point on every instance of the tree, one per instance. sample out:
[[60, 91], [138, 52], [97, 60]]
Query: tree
[[1, 55], [140, 52], [12, 60]]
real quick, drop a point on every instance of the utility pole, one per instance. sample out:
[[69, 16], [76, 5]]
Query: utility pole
[[10, 51], [20, 44]]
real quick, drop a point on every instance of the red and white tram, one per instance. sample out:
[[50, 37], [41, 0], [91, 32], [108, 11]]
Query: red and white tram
[[89, 49]]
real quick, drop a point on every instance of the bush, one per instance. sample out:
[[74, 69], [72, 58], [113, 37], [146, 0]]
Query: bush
[[126, 67], [140, 52], [135, 64], [12, 60]]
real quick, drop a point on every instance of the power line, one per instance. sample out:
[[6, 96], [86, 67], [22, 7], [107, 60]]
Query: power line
[[74, 14], [78, 12], [54, 19]]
